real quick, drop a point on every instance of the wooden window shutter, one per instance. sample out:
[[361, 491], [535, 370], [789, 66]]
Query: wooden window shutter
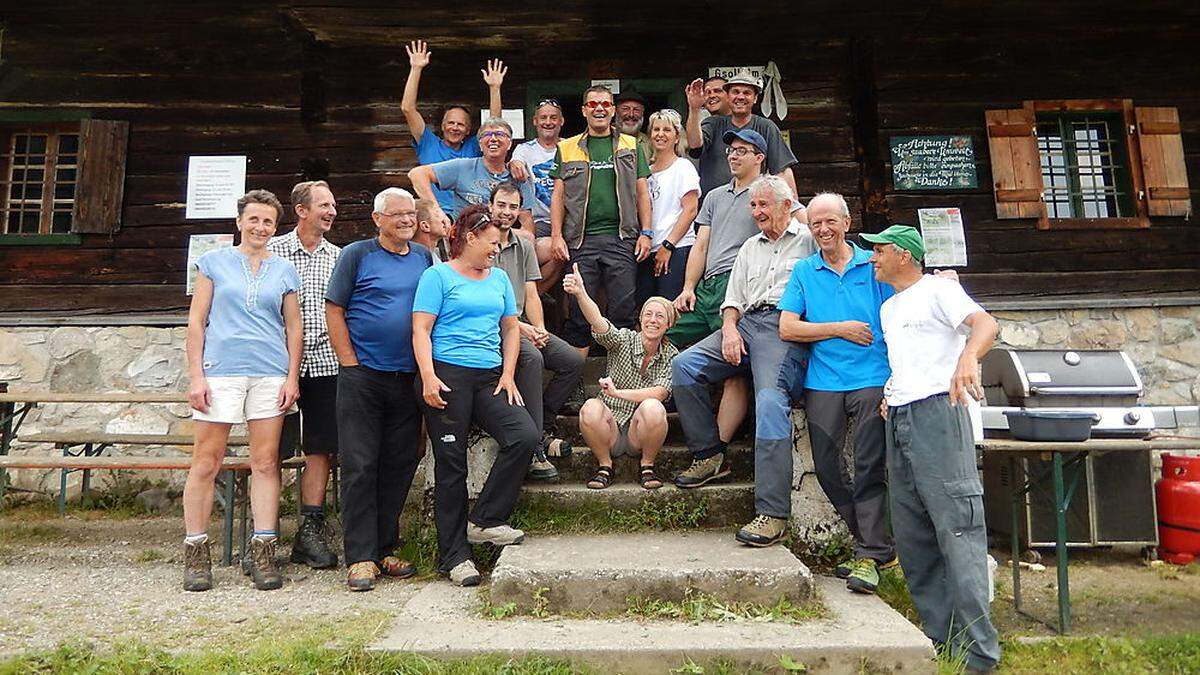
[[1016, 169], [1163, 167], [101, 185]]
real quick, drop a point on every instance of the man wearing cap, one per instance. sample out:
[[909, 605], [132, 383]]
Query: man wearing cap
[[936, 335], [631, 116], [538, 155], [600, 213], [832, 304], [748, 344], [707, 139]]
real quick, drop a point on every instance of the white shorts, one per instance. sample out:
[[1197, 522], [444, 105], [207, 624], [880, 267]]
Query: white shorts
[[236, 399]]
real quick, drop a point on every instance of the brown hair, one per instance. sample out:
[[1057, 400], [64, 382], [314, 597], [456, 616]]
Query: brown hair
[[471, 219], [302, 192], [597, 89], [425, 209], [260, 197]]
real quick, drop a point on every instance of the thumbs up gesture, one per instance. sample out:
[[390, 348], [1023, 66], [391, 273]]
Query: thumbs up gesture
[[573, 282]]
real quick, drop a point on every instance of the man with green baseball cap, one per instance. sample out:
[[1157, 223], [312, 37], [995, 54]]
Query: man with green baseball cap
[[935, 336], [907, 238]]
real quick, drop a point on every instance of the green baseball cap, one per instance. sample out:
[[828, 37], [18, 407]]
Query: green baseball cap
[[907, 238]]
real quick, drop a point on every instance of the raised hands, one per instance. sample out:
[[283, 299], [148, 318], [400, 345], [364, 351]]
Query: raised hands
[[493, 75], [418, 54], [573, 282], [695, 94]]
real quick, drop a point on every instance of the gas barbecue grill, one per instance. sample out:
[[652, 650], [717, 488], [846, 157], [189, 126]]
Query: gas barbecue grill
[[1114, 503]]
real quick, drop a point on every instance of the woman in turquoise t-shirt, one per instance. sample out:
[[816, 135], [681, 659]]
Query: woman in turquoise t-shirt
[[465, 339], [244, 343]]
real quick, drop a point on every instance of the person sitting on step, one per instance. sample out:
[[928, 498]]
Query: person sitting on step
[[628, 417]]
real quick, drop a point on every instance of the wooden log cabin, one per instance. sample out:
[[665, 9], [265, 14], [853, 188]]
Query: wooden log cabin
[[1084, 119]]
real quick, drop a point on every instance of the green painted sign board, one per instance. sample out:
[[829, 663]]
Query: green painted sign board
[[933, 163]]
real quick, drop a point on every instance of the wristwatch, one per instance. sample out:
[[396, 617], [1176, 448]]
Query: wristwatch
[[668, 245]]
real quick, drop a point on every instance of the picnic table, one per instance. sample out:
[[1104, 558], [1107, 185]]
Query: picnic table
[[83, 450], [1066, 459]]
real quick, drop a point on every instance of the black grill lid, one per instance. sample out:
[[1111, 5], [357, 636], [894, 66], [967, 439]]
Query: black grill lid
[[1014, 375]]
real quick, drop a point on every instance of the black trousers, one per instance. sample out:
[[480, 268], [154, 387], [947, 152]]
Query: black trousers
[[605, 261], [470, 400], [378, 426]]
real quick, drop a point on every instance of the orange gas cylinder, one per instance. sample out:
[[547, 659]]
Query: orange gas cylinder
[[1178, 493]]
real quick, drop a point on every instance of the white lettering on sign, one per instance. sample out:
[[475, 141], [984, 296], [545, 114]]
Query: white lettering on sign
[[727, 72]]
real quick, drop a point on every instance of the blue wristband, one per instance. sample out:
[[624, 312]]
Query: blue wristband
[[647, 233]]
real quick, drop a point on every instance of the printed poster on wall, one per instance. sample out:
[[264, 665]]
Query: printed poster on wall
[[214, 184], [198, 245], [945, 243]]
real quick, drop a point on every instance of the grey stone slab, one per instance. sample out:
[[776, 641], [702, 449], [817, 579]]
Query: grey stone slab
[[672, 459], [600, 573], [724, 504], [862, 634]]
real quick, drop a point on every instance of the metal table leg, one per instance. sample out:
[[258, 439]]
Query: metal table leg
[[1061, 502], [230, 494], [1015, 540]]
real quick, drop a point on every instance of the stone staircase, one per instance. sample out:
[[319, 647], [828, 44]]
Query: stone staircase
[[570, 592]]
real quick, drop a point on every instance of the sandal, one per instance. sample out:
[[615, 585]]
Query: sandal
[[648, 479], [602, 478]]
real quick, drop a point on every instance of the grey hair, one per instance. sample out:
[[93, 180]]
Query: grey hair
[[394, 193], [776, 186], [494, 122], [843, 207], [673, 118]]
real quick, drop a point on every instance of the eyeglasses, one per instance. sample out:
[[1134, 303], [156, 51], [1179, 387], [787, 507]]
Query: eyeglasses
[[741, 151], [599, 104], [494, 133], [399, 214], [548, 101]]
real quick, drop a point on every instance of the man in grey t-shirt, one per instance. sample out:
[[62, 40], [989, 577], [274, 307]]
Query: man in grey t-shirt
[[706, 139]]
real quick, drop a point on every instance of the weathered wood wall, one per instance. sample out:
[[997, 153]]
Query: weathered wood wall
[[311, 89]]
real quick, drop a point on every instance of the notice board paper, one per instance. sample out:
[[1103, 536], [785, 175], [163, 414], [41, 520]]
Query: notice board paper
[[945, 243], [198, 245], [515, 118], [214, 184]]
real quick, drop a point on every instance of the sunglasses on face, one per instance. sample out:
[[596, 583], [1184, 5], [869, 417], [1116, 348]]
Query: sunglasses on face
[[599, 104], [548, 101]]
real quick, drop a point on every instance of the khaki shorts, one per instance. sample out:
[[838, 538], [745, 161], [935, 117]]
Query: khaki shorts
[[236, 399], [623, 446]]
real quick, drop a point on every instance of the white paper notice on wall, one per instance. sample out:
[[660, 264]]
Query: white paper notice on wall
[[214, 184], [198, 245], [515, 118], [613, 85], [945, 243]]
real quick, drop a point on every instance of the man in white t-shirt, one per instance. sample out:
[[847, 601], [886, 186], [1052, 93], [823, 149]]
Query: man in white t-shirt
[[935, 335], [537, 154]]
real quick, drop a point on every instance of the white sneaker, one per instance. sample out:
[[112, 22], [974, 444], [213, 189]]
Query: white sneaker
[[465, 574], [498, 535]]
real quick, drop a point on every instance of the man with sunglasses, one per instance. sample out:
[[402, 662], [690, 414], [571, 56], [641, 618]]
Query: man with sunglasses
[[600, 213], [471, 179], [538, 155], [706, 140]]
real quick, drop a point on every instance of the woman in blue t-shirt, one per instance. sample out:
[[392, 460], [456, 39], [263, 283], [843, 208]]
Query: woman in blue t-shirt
[[466, 340], [244, 343]]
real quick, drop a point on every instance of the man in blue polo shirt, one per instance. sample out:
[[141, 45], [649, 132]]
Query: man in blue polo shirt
[[368, 308], [832, 301]]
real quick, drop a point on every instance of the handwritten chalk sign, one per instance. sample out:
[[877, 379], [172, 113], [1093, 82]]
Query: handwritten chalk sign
[[933, 163]]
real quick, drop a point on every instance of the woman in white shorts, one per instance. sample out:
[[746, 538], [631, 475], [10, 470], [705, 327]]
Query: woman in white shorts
[[244, 344]]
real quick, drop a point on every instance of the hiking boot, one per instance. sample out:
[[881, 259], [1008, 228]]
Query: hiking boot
[[864, 576], [465, 574], [541, 468], [197, 566], [762, 531], [361, 576], [843, 569], [702, 472], [264, 571], [395, 567], [498, 535], [311, 546]]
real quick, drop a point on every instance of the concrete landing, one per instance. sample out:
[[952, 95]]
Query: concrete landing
[[598, 573], [862, 634]]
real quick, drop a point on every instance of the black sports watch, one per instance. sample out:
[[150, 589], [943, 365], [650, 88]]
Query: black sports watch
[[668, 245]]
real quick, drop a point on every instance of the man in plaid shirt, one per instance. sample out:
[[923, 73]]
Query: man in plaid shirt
[[314, 258]]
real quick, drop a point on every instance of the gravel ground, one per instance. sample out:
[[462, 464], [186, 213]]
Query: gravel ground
[[111, 580]]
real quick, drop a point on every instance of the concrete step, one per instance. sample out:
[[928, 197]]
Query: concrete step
[[671, 460], [598, 574], [860, 634], [722, 504]]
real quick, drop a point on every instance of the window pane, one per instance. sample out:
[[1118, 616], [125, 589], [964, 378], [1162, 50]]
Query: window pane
[[35, 175], [62, 222], [68, 144], [37, 144], [14, 222], [64, 191], [29, 222], [20, 143], [66, 175], [35, 160], [33, 191]]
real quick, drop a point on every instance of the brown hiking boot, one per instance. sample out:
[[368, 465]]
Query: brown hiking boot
[[395, 567], [197, 567], [762, 531], [264, 571], [362, 575], [702, 472]]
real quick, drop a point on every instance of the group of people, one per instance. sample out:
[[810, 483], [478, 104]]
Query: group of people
[[710, 278]]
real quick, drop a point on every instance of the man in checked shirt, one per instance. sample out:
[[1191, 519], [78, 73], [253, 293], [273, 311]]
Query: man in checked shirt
[[314, 257]]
